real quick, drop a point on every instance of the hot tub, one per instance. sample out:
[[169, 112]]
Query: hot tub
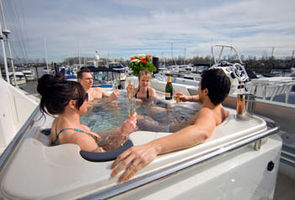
[[234, 161]]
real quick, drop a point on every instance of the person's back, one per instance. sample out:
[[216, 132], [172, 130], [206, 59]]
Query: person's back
[[218, 113]]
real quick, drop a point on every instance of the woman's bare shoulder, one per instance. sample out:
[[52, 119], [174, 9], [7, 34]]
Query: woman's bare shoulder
[[85, 128], [152, 91]]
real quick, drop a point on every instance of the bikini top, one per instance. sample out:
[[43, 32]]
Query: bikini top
[[147, 93], [96, 139]]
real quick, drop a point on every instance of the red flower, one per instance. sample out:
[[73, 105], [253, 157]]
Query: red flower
[[143, 60]]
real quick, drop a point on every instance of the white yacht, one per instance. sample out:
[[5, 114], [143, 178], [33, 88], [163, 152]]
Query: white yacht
[[17, 78], [32, 169], [241, 159], [243, 144], [29, 74]]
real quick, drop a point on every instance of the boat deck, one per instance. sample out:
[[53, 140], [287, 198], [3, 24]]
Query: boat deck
[[59, 168], [284, 188]]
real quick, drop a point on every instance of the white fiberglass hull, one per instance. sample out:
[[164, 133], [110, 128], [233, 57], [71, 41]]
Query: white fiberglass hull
[[241, 174], [15, 108]]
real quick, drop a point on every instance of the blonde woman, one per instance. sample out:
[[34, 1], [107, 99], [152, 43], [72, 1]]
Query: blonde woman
[[144, 90]]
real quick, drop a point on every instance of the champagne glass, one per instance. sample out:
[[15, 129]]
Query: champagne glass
[[130, 96], [129, 89], [115, 85], [177, 98]]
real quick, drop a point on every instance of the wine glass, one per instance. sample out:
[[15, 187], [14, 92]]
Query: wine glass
[[115, 85]]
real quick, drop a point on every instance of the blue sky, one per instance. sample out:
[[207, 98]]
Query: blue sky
[[121, 28]]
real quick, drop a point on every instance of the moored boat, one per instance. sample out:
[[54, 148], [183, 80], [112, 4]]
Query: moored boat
[[29, 74]]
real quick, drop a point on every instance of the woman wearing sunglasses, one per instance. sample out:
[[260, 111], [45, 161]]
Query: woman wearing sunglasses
[[67, 100]]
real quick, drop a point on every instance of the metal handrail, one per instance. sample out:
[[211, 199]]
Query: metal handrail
[[140, 181], [272, 128], [11, 147], [221, 52], [283, 87]]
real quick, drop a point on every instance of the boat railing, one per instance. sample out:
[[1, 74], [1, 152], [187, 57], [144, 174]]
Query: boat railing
[[270, 89], [222, 47]]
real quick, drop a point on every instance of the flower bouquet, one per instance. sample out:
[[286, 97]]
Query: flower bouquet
[[141, 62]]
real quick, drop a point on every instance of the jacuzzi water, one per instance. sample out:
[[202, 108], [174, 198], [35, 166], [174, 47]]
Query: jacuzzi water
[[158, 115]]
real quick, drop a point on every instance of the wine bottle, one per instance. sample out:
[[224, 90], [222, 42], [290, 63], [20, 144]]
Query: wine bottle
[[169, 89]]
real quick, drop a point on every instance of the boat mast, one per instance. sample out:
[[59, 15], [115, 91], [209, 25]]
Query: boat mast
[[184, 56], [5, 31], [45, 48], [4, 55], [79, 59]]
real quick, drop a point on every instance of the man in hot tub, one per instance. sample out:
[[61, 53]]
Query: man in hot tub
[[213, 89], [86, 80]]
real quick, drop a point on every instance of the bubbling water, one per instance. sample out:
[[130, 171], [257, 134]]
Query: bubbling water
[[154, 114]]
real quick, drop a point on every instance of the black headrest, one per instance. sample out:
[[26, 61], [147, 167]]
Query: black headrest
[[99, 156], [106, 156], [46, 131]]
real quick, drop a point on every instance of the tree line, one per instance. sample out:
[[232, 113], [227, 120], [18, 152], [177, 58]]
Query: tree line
[[261, 65]]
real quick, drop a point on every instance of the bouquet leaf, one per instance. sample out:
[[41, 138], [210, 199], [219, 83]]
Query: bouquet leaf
[[141, 62]]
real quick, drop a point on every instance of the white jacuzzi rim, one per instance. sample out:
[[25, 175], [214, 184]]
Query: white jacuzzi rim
[[154, 175]]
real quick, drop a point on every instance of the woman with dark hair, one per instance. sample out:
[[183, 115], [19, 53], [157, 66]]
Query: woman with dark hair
[[68, 100]]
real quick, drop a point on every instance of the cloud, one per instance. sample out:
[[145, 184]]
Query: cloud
[[123, 28]]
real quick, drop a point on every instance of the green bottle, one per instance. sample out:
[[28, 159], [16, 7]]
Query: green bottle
[[169, 89]]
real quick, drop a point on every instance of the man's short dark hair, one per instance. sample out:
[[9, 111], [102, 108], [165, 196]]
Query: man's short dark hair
[[217, 83], [80, 73]]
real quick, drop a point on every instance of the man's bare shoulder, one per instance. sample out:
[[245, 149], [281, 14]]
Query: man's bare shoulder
[[97, 89], [218, 115], [95, 93], [205, 112]]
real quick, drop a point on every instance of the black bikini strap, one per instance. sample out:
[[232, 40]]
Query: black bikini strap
[[136, 92], [147, 93]]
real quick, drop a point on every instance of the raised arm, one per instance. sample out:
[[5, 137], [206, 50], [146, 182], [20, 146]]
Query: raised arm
[[110, 97], [137, 157], [189, 136], [112, 139]]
